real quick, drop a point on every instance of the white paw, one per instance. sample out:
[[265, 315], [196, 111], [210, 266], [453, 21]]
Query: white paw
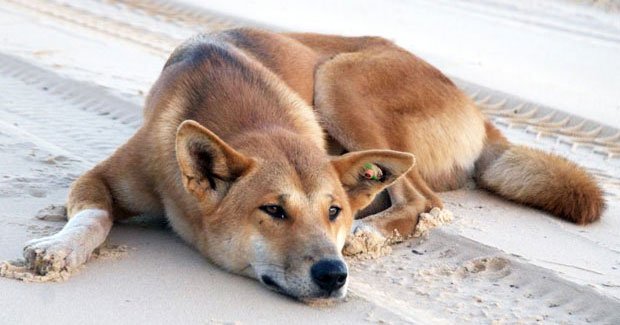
[[367, 241], [57, 253]]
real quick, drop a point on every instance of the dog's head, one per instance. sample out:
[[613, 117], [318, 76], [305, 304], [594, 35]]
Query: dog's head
[[278, 208]]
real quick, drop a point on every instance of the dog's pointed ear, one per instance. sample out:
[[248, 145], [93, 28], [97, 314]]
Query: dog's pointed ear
[[364, 173], [206, 162]]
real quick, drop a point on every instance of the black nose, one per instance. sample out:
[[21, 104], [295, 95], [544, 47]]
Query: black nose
[[329, 275]]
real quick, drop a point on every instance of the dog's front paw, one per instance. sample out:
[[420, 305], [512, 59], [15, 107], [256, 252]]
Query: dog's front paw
[[366, 241], [54, 254]]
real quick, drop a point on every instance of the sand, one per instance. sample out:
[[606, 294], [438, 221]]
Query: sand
[[433, 219], [53, 212], [19, 270], [62, 110], [366, 242], [607, 5], [465, 282]]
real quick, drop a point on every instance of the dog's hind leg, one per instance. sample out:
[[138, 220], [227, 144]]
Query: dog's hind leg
[[95, 200], [364, 105], [402, 215]]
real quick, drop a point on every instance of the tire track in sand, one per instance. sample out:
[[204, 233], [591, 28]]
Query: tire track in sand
[[34, 106]]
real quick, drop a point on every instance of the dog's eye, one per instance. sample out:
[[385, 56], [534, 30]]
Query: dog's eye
[[334, 211], [275, 211]]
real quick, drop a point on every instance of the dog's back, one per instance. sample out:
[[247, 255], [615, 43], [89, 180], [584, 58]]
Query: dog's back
[[369, 93]]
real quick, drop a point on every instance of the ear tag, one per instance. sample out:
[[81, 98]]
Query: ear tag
[[372, 172]]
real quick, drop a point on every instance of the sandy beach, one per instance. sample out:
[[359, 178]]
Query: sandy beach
[[74, 76]]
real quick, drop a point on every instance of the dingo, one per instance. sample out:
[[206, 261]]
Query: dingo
[[261, 149]]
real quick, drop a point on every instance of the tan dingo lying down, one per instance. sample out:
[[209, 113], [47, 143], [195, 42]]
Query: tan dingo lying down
[[235, 151]]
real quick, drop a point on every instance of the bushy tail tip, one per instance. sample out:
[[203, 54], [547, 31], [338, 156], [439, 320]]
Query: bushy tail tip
[[542, 180]]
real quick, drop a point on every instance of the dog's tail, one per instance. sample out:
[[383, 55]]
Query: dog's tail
[[538, 179]]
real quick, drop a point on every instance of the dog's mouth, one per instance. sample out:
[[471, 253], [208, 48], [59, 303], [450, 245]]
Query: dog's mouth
[[273, 285], [321, 296], [268, 281]]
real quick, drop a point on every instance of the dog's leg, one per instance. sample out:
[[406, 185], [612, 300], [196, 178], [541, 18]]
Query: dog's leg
[[432, 200], [371, 234], [92, 208], [90, 221], [402, 215], [364, 107]]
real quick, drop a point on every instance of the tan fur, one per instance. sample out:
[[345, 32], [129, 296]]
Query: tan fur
[[242, 119], [545, 181], [538, 179]]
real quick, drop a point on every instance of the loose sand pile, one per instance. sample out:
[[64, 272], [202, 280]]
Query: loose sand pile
[[365, 242], [434, 218], [19, 270]]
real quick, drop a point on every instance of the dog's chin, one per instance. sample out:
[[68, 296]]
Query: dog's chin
[[319, 298], [324, 300]]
